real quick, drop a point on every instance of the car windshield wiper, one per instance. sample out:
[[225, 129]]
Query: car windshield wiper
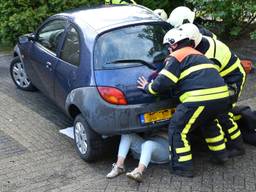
[[150, 65]]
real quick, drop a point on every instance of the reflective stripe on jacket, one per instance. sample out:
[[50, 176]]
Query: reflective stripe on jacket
[[193, 77], [228, 64]]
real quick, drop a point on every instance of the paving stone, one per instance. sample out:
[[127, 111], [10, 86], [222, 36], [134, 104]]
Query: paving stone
[[9, 147], [35, 157]]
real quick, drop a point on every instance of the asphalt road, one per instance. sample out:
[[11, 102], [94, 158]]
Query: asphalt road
[[35, 157]]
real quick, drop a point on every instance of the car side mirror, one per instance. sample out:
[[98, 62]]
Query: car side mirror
[[26, 38]]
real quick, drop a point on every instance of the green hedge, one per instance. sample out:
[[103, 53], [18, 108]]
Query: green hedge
[[228, 18], [23, 16]]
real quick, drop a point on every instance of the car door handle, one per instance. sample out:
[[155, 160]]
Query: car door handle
[[48, 64]]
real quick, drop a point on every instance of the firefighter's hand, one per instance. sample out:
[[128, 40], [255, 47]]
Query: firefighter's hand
[[142, 82]]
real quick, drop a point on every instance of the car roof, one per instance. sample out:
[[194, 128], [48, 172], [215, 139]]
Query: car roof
[[107, 17]]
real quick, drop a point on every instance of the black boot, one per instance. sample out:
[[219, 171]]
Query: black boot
[[235, 147], [219, 159], [181, 171], [235, 152]]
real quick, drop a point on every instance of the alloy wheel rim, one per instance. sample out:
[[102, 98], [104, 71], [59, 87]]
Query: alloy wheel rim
[[20, 76], [81, 138]]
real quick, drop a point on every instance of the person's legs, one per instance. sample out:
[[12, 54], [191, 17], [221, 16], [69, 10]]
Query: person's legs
[[148, 149], [184, 120], [154, 150], [179, 146], [123, 149], [232, 134], [127, 141], [161, 154], [214, 137]]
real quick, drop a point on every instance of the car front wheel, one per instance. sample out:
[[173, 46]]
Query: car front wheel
[[88, 144], [19, 75]]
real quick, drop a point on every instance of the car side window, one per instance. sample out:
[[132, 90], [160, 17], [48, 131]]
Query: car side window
[[71, 49], [50, 34]]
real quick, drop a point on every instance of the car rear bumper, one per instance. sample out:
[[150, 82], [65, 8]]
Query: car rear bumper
[[109, 119]]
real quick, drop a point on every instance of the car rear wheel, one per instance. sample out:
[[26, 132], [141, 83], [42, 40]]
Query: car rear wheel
[[88, 144], [19, 75]]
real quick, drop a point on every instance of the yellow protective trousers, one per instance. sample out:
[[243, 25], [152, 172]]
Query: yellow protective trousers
[[188, 117]]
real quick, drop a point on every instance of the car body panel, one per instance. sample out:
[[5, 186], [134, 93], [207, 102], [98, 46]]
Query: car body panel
[[68, 76], [65, 78], [125, 82], [68, 85], [102, 116], [43, 64]]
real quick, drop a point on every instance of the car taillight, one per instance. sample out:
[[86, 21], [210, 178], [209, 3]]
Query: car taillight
[[112, 95]]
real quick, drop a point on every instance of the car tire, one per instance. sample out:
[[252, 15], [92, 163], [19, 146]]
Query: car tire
[[19, 75], [88, 144]]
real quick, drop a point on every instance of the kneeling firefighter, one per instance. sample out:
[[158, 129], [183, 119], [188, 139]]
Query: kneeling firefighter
[[203, 95], [231, 70]]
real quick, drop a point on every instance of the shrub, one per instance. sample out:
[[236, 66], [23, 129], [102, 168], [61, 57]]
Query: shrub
[[167, 5], [23, 16], [253, 35], [229, 18]]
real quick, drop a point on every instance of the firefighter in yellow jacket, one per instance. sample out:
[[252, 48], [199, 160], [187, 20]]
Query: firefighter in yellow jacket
[[203, 95], [107, 2], [231, 70]]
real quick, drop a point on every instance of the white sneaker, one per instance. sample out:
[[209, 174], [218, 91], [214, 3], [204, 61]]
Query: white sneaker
[[115, 171]]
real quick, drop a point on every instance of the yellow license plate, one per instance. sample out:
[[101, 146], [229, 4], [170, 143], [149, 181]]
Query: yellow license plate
[[157, 116]]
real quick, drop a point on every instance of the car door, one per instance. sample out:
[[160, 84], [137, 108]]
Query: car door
[[66, 70], [43, 55]]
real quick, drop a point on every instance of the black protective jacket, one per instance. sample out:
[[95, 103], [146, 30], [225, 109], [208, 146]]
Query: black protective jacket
[[193, 77]]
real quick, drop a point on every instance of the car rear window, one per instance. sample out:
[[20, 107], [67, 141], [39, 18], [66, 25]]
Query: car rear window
[[129, 46]]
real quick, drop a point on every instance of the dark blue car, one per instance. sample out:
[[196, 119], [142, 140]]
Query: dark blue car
[[88, 62]]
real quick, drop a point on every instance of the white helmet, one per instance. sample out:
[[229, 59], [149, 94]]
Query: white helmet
[[192, 32], [174, 35], [181, 15], [161, 13]]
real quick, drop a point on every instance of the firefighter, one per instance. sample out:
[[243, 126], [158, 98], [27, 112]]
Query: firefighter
[[203, 95], [231, 70], [181, 15], [108, 2], [161, 13]]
